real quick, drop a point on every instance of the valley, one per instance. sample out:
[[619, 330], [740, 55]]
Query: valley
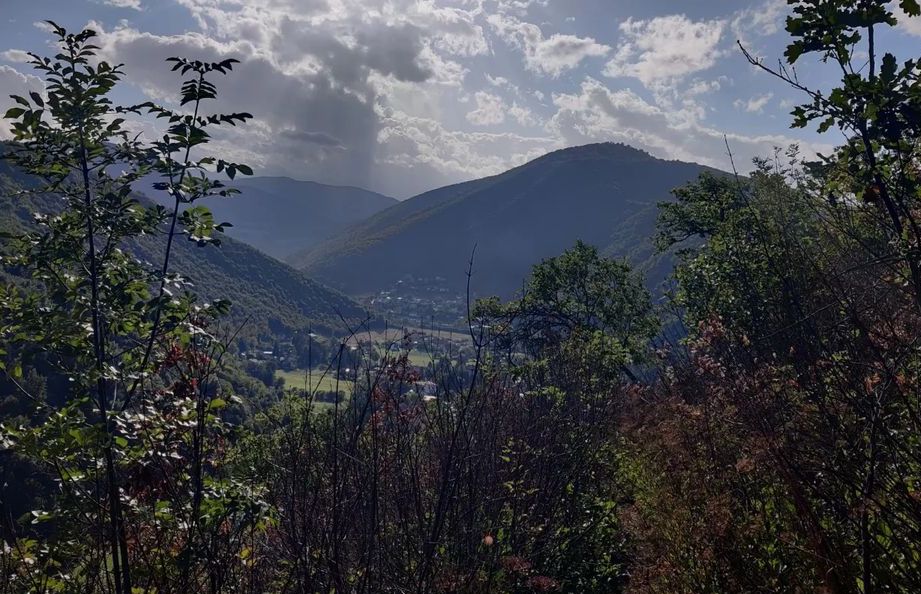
[[644, 321]]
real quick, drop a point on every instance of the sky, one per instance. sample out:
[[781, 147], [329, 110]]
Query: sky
[[403, 96]]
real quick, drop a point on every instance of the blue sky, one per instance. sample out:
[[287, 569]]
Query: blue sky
[[401, 96]]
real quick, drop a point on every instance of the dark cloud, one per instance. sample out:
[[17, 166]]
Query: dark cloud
[[312, 137], [316, 125]]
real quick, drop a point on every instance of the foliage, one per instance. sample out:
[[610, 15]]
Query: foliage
[[775, 448], [876, 105], [132, 444], [579, 310], [493, 487]]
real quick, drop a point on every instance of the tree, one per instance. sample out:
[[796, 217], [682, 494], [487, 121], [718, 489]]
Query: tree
[[579, 303], [138, 356], [877, 105]]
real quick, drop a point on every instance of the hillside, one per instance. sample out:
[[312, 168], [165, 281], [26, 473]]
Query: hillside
[[603, 194], [281, 216], [275, 297]]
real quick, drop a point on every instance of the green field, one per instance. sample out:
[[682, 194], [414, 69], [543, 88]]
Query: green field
[[296, 380], [420, 358]]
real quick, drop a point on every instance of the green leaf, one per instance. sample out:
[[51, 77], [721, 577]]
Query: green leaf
[[121, 441], [14, 112], [911, 7], [217, 403], [78, 436], [37, 98], [888, 68]]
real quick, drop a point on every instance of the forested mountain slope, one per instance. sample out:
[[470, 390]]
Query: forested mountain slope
[[281, 216], [272, 295], [602, 194]]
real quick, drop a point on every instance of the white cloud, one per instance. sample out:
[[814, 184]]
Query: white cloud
[[551, 55], [420, 149], [755, 104], [665, 48], [133, 4], [321, 125], [388, 94], [907, 24], [497, 81], [500, 82], [703, 87], [457, 32], [16, 56], [599, 114], [490, 109], [523, 115], [13, 82], [519, 7], [760, 20]]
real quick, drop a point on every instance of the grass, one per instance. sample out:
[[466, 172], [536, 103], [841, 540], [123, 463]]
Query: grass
[[296, 379], [395, 336], [420, 358]]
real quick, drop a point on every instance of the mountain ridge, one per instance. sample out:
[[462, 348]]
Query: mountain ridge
[[604, 194], [281, 216], [272, 295]]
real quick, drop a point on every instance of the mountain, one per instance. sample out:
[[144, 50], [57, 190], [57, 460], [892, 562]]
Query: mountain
[[603, 194], [282, 216], [275, 297]]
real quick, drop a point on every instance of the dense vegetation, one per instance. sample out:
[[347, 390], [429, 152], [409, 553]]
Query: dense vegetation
[[774, 448], [272, 298]]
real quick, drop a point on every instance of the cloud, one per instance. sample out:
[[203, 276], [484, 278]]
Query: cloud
[[13, 82], [760, 20], [665, 48], [457, 30], [315, 73], [551, 55], [318, 74], [490, 109], [907, 24], [16, 56], [304, 119], [523, 115], [598, 114], [703, 87], [519, 7], [312, 137], [418, 149], [133, 4], [389, 94], [500, 82], [755, 104]]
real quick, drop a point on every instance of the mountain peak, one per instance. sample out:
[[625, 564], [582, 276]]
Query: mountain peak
[[609, 151], [604, 194]]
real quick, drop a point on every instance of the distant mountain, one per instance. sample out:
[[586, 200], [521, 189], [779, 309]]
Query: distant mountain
[[603, 194], [281, 216], [273, 296]]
